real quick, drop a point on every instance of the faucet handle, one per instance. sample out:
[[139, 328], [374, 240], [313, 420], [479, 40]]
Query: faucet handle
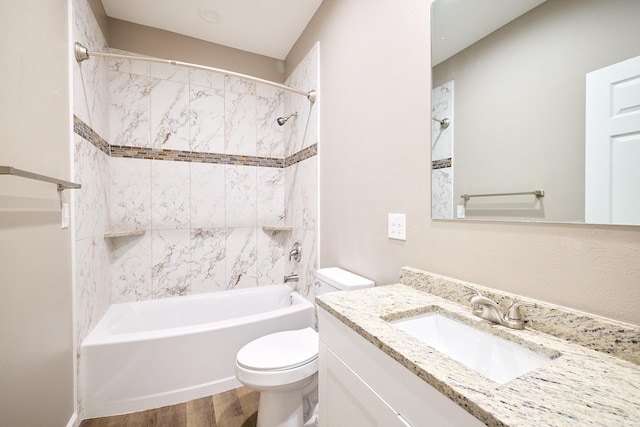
[[513, 312], [477, 293], [476, 300]]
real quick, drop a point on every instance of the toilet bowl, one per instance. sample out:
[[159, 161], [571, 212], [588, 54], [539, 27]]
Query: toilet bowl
[[283, 366]]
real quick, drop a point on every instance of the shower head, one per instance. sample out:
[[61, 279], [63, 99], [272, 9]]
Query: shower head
[[283, 120]]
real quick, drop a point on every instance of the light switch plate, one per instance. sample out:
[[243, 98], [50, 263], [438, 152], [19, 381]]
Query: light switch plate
[[397, 226]]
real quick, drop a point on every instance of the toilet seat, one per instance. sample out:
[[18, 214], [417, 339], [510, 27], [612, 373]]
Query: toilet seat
[[280, 351], [279, 359]]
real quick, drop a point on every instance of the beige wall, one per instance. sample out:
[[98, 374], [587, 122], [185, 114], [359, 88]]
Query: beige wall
[[374, 159], [164, 44], [520, 105], [101, 16], [36, 352]]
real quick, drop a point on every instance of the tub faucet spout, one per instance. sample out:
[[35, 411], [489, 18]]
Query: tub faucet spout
[[291, 278]]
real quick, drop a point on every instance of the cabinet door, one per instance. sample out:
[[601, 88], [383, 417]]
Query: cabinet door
[[347, 401], [419, 404]]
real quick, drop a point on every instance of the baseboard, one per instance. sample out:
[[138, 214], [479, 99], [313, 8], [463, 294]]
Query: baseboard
[[73, 421]]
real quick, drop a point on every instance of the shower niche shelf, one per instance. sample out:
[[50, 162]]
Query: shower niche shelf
[[276, 228], [112, 234]]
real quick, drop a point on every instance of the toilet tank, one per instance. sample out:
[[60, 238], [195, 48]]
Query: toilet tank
[[333, 279]]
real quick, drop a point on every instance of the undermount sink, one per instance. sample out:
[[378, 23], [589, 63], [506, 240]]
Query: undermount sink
[[491, 356]]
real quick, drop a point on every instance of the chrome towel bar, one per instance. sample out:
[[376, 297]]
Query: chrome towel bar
[[62, 185], [537, 193]]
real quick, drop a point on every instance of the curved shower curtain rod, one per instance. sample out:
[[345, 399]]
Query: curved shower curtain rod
[[82, 54]]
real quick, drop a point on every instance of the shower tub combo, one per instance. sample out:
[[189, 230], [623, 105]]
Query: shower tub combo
[[154, 353]]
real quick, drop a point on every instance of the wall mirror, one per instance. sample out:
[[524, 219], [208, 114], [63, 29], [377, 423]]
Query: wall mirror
[[543, 100]]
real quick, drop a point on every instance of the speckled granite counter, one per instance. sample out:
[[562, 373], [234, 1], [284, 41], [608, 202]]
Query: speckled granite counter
[[583, 385]]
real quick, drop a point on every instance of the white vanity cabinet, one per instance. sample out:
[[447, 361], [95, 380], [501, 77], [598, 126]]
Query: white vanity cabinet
[[349, 401], [359, 385]]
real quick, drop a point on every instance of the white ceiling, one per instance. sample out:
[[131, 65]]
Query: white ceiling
[[457, 24], [264, 27], [271, 27]]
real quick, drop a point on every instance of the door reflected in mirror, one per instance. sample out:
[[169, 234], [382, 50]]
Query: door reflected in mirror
[[517, 103]]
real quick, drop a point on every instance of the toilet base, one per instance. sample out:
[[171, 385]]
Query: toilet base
[[290, 405], [280, 409]]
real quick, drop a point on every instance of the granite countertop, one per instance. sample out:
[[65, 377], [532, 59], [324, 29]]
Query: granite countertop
[[579, 386]]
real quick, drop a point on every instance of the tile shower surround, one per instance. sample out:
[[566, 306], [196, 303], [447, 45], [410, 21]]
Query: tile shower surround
[[176, 255], [201, 169], [92, 259]]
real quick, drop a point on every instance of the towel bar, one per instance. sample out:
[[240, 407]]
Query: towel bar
[[62, 185]]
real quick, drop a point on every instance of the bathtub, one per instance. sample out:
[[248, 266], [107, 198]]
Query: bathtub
[[148, 354]]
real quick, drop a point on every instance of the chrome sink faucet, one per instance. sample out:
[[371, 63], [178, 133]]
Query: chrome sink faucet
[[488, 309]]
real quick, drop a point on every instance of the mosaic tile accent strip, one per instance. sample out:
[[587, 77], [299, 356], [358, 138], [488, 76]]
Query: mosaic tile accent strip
[[301, 155], [83, 130], [195, 157], [441, 164]]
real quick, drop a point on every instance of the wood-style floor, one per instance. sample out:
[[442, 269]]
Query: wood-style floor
[[233, 408]]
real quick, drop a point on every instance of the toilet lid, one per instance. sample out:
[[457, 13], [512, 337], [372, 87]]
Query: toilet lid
[[279, 351]]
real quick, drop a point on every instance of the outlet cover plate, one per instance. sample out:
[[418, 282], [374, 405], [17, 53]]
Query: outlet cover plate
[[397, 226]]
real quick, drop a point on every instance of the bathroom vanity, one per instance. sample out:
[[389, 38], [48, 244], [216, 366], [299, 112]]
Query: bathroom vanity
[[374, 374], [362, 386]]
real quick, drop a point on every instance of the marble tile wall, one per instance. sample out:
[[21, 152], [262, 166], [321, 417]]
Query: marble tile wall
[[301, 135], [203, 221], [442, 203], [90, 204]]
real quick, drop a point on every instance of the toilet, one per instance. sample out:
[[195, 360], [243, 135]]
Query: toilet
[[283, 366]]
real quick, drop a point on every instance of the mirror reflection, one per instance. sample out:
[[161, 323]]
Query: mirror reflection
[[544, 101]]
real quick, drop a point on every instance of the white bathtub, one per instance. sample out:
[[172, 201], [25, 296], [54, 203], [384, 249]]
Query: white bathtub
[[148, 354]]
